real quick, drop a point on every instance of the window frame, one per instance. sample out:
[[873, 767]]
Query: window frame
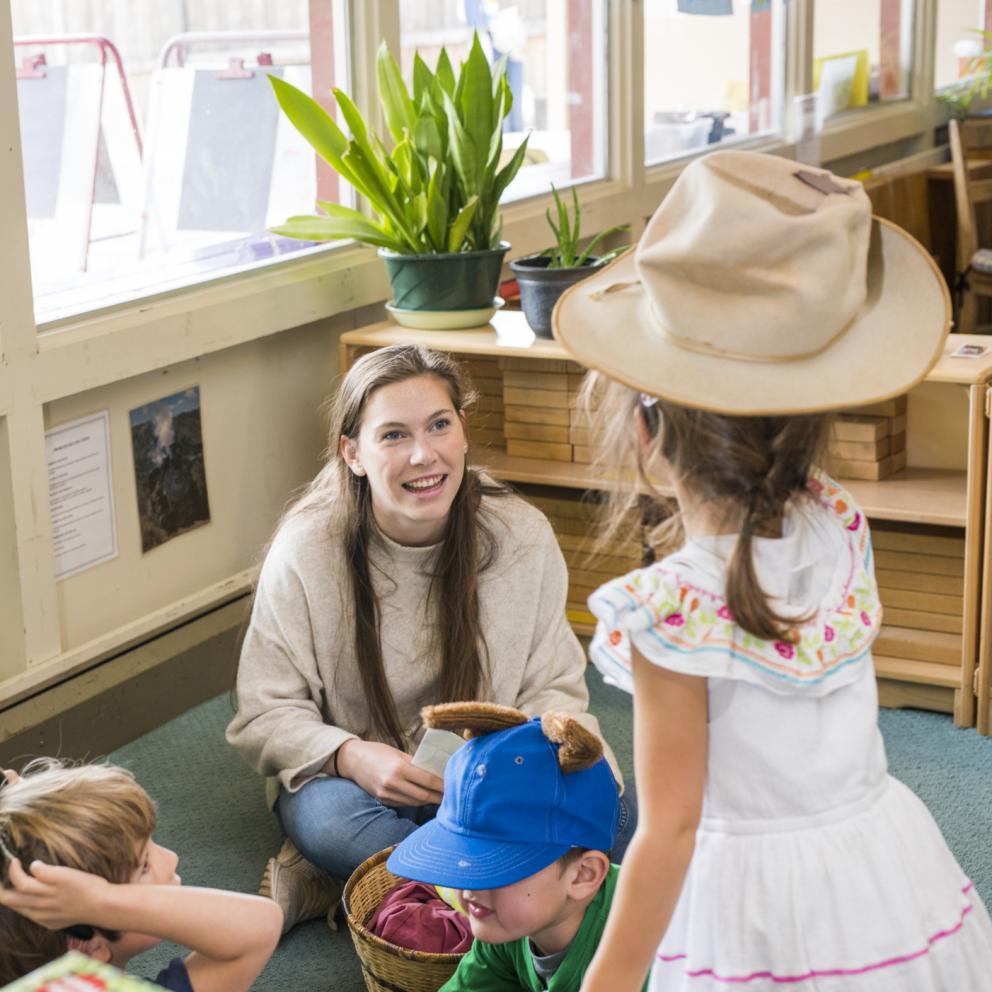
[[42, 364]]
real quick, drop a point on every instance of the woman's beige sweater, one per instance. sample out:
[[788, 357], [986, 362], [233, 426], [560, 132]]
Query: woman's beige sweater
[[299, 691]]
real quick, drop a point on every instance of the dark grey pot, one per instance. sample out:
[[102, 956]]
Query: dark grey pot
[[540, 288]]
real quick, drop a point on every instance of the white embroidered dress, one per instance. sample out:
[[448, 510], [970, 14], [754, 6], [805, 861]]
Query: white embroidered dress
[[813, 868]]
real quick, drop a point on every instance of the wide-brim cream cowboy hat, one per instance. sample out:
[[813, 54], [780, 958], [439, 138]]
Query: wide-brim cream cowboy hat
[[762, 286]]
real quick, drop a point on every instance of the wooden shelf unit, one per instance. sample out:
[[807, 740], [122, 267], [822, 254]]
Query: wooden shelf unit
[[915, 668]]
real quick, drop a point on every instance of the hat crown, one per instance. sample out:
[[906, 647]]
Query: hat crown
[[793, 240], [509, 786]]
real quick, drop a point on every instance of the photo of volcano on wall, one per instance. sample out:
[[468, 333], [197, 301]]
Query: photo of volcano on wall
[[168, 467]]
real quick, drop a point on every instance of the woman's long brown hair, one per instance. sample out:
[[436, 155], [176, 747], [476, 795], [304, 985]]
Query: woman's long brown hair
[[750, 466], [466, 550]]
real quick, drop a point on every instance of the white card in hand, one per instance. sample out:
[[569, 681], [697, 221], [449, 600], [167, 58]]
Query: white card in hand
[[435, 748]]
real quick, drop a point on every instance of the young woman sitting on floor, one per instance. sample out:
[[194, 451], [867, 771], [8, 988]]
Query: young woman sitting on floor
[[401, 577]]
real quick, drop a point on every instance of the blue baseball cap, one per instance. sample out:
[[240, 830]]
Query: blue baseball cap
[[509, 811]]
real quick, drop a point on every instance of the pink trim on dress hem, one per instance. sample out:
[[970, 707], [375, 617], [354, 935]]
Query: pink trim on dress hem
[[824, 973]]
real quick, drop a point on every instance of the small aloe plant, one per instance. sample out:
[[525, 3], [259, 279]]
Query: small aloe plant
[[566, 254], [437, 188]]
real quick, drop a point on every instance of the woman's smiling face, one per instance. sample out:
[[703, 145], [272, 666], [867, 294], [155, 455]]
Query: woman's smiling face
[[411, 447]]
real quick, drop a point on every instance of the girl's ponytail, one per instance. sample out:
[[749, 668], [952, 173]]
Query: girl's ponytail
[[790, 446]]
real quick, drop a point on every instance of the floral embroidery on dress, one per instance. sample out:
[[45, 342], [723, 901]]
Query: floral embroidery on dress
[[670, 616]]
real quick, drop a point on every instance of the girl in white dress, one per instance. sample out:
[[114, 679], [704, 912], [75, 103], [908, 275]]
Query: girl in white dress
[[773, 851]]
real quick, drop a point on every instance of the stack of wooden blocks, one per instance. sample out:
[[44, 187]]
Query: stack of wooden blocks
[[920, 575], [870, 442], [541, 415], [485, 415], [577, 522]]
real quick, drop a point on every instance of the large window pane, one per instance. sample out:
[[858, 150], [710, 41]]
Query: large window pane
[[154, 152], [958, 38], [863, 53], [557, 52], [713, 72]]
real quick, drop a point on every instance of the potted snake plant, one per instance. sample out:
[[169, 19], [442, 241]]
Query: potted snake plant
[[433, 184], [543, 277]]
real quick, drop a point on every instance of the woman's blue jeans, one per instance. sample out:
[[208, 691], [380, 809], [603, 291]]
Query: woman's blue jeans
[[336, 825]]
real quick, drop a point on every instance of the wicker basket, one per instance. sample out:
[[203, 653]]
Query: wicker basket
[[387, 967]]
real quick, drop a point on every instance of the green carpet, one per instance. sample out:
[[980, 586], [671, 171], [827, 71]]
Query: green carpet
[[212, 812]]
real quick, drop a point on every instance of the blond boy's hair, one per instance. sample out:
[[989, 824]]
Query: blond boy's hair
[[92, 817]]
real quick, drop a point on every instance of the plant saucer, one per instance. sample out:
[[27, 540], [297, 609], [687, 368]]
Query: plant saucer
[[444, 320]]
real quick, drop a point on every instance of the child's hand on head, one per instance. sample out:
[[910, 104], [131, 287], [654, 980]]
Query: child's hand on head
[[52, 896]]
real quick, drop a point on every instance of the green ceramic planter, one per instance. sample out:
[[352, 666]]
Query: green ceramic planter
[[465, 280]]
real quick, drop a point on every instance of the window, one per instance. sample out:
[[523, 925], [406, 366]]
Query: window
[[154, 152], [958, 39], [712, 73], [556, 65], [862, 53]]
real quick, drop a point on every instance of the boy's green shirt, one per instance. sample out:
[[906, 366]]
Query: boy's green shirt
[[510, 967]]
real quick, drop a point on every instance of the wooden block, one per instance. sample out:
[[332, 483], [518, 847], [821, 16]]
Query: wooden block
[[491, 438], [850, 428], [928, 602], [580, 594], [488, 387], [579, 615], [897, 443], [919, 541], [920, 645], [536, 432], [586, 436], [859, 451], [575, 527], [593, 578], [491, 403], [539, 365], [848, 468], [925, 696], [539, 449], [583, 418], [579, 508], [918, 620], [536, 415], [944, 585], [584, 542], [576, 380], [548, 398], [584, 454], [897, 425], [920, 564], [479, 365], [536, 380], [894, 407], [845, 468], [474, 414], [617, 564]]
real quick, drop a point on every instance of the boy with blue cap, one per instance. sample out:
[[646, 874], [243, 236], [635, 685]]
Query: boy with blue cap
[[530, 809]]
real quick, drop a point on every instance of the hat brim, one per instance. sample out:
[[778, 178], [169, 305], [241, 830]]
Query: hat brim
[[438, 856], [893, 342]]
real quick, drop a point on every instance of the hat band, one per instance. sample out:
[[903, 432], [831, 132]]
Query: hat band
[[705, 348]]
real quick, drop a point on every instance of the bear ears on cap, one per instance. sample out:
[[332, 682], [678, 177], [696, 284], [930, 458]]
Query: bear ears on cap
[[578, 748]]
